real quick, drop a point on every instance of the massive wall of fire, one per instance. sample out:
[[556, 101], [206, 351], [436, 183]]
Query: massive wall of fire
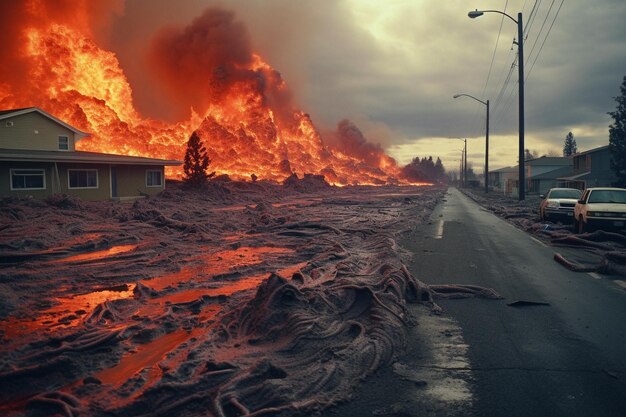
[[239, 105]]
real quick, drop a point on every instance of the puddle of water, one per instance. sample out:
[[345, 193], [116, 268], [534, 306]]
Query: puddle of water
[[148, 356], [68, 243], [238, 236], [216, 264], [155, 306], [145, 356], [230, 208], [69, 306], [91, 256]]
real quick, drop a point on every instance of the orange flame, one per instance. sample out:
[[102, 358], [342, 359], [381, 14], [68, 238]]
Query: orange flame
[[74, 79]]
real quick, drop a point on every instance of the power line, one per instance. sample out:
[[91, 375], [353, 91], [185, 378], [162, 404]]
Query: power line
[[475, 125], [540, 30], [495, 49], [531, 18], [505, 85], [544, 40]]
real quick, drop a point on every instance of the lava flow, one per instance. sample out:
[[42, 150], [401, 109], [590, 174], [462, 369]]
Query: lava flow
[[239, 105]]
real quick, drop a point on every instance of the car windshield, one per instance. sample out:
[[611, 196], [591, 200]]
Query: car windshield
[[573, 194], [607, 196]]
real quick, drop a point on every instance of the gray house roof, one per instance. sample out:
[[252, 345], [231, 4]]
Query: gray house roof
[[505, 169], [601, 148], [550, 160], [80, 157], [553, 174]]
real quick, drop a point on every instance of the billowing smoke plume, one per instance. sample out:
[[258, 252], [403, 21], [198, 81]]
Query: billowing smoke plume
[[348, 139], [207, 61], [202, 60]]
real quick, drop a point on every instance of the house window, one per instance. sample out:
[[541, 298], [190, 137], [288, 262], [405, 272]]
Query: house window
[[82, 178], [154, 178], [28, 179], [64, 143]]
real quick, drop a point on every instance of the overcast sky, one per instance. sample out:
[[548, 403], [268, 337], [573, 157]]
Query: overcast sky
[[392, 67]]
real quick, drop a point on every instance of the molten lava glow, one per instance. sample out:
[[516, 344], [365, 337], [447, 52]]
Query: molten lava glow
[[98, 255], [246, 128]]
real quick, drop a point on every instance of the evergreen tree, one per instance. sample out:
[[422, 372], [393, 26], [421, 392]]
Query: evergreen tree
[[424, 170], [617, 137], [439, 169], [196, 162], [570, 148]]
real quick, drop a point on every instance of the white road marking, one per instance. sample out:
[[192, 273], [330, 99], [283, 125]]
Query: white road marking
[[538, 241], [594, 275], [439, 233], [621, 283]]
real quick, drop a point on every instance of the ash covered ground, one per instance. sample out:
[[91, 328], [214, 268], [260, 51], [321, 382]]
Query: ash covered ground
[[243, 299], [597, 251]]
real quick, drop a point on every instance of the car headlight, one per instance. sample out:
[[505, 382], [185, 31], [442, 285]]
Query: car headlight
[[552, 204]]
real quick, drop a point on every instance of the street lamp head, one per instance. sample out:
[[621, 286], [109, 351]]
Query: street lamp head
[[456, 96], [476, 13]]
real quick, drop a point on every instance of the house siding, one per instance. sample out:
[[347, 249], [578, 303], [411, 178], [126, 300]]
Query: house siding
[[598, 164], [103, 191], [5, 179], [131, 180], [22, 134]]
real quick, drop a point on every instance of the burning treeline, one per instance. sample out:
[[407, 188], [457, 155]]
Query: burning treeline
[[214, 83]]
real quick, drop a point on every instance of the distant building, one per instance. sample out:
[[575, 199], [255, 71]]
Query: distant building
[[499, 178], [541, 175], [592, 168], [38, 158]]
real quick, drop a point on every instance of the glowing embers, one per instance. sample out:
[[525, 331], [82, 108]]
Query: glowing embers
[[218, 263], [98, 255], [66, 312]]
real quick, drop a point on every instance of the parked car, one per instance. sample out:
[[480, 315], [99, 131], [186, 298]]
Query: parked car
[[601, 208], [558, 204]]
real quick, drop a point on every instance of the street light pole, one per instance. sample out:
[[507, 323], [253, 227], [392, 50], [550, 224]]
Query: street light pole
[[520, 45], [465, 163], [486, 103], [461, 171]]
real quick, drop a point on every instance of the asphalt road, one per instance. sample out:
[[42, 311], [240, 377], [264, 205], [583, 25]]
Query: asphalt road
[[485, 358]]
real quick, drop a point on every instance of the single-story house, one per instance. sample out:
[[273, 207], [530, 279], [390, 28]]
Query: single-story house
[[38, 158], [592, 168]]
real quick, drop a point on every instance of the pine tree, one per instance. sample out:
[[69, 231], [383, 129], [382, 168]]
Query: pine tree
[[570, 148], [196, 162], [439, 169], [617, 137]]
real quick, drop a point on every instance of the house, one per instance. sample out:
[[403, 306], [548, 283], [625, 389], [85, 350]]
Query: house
[[38, 158], [540, 173], [500, 177], [592, 168]]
